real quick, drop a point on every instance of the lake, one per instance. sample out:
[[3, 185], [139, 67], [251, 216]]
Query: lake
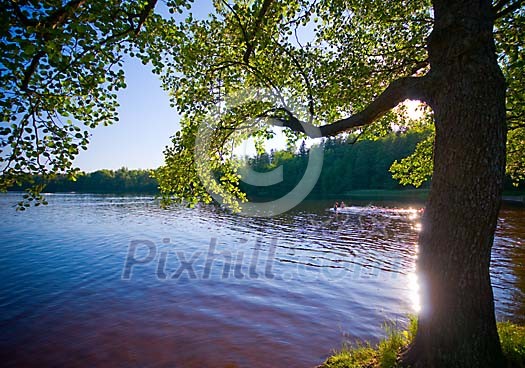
[[94, 280]]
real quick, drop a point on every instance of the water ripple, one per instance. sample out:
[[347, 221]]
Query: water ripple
[[275, 292]]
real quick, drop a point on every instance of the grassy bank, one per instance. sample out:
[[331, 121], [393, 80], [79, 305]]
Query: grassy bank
[[385, 354]]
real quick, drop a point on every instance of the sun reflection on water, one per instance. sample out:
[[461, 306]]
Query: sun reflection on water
[[413, 284]]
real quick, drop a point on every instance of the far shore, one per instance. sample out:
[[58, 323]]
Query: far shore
[[513, 198]]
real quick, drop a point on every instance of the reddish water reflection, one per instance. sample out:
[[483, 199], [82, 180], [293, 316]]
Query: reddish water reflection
[[63, 302]]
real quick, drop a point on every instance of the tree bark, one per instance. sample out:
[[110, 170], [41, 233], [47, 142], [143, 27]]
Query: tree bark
[[466, 90], [457, 326]]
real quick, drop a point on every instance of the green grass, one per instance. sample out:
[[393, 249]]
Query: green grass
[[382, 356], [512, 339], [354, 356], [385, 354]]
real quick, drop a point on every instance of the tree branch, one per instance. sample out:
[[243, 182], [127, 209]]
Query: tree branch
[[311, 105], [413, 88], [58, 17], [26, 22], [249, 45], [270, 84], [144, 14], [238, 18], [31, 69], [509, 9], [499, 5], [61, 15]]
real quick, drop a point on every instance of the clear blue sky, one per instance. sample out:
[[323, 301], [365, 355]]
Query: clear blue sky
[[146, 119], [145, 126]]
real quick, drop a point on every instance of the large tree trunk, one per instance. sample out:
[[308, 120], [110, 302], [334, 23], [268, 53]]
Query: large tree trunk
[[457, 326]]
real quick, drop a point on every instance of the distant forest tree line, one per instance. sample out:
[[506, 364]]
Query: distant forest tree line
[[102, 181], [348, 165]]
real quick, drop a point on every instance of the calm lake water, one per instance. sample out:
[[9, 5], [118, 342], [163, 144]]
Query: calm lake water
[[116, 281]]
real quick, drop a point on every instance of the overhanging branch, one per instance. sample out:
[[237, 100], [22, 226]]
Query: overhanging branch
[[256, 27], [499, 5], [501, 13], [412, 88], [144, 14], [61, 15]]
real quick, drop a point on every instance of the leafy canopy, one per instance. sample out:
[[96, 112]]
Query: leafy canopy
[[315, 61], [235, 72], [329, 58], [60, 67]]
